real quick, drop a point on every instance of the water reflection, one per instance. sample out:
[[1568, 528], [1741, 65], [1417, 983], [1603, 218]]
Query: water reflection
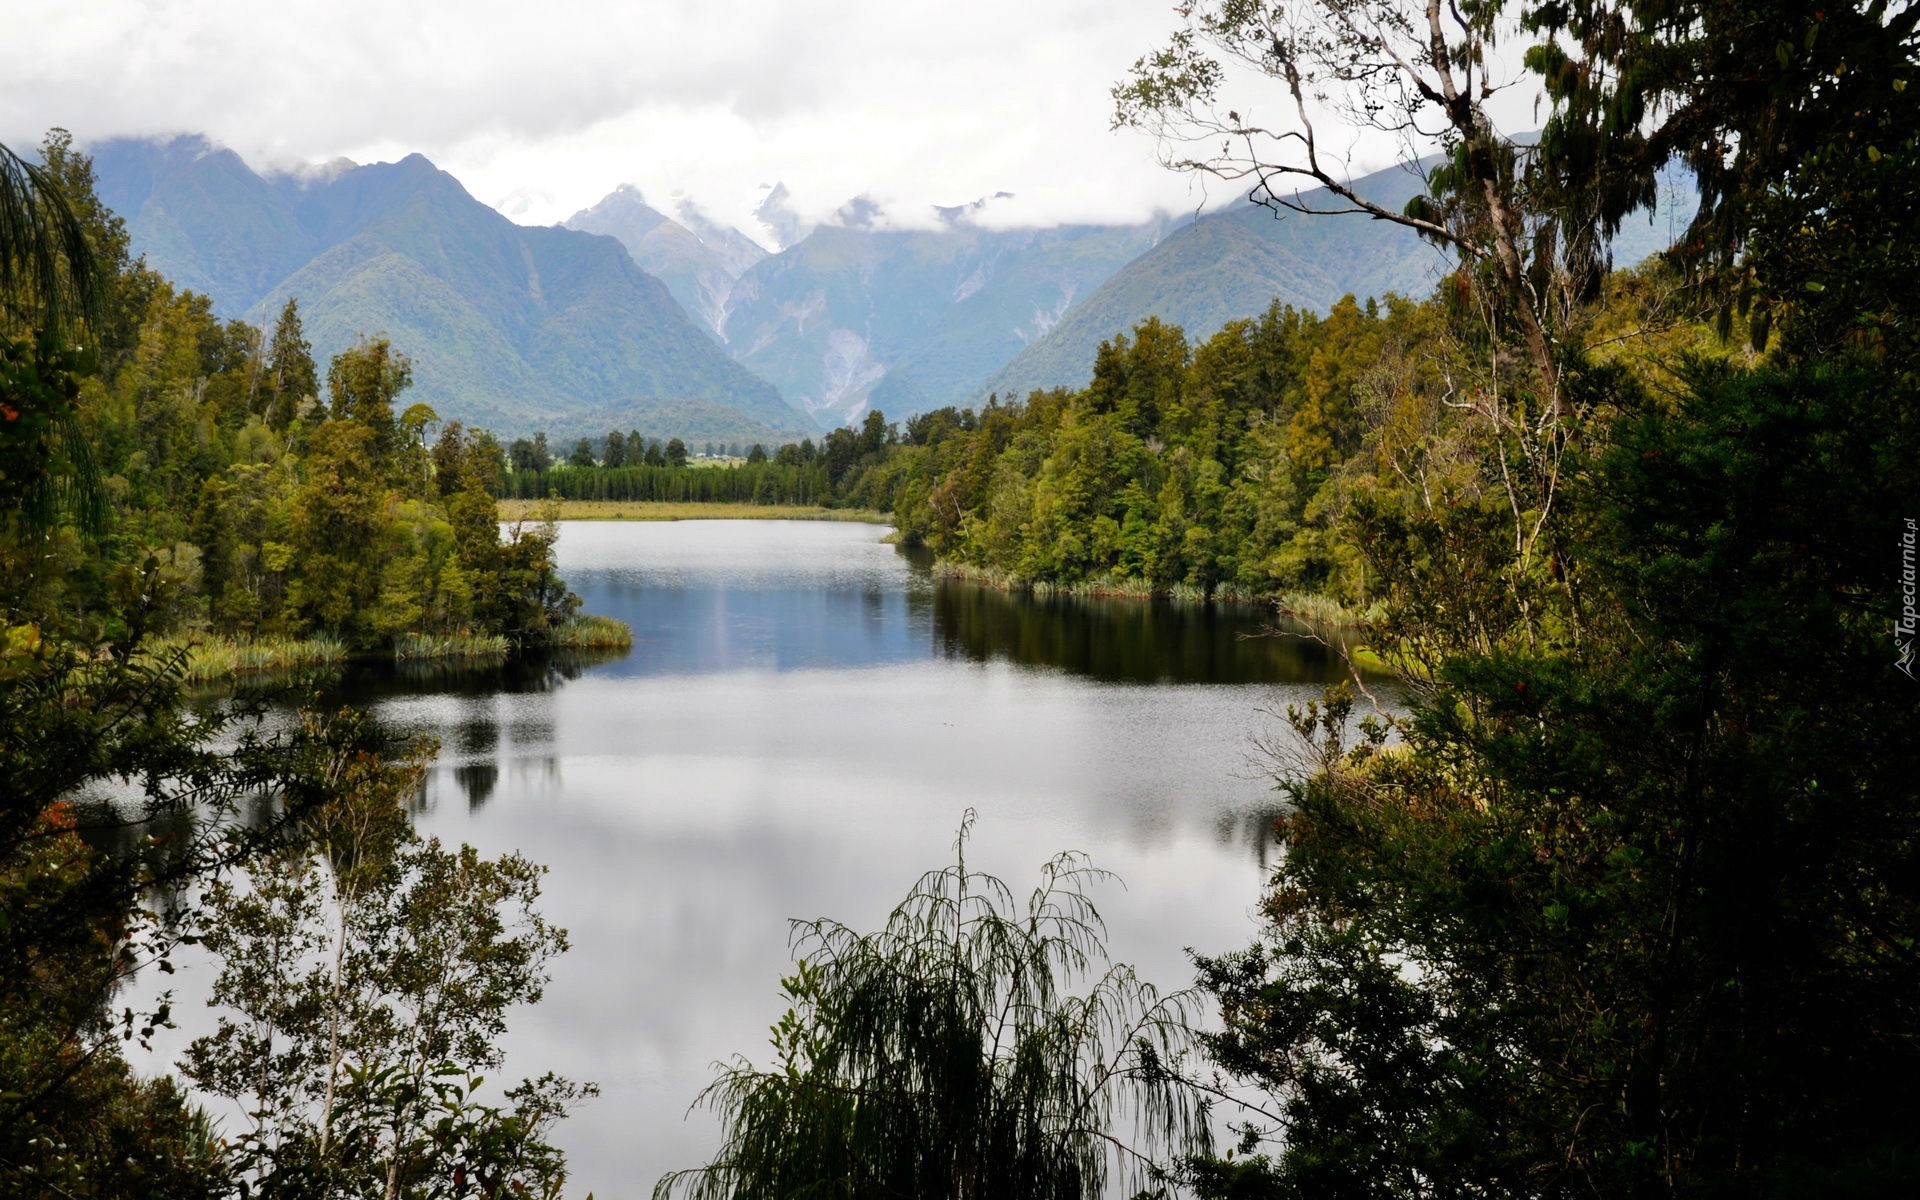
[[721, 601], [803, 717], [1125, 641], [477, 780]]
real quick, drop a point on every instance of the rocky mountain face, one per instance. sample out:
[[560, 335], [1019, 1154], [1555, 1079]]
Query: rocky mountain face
[[854, 313], [509, 327], [853, 316], [698, 259]]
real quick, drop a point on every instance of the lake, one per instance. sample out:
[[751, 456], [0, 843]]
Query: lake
[[804, 717]]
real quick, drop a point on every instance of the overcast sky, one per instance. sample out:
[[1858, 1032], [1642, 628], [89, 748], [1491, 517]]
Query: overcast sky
[[540, 108]]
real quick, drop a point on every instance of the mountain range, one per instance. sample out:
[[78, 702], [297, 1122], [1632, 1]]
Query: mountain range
[[508, 326], [669, 322]]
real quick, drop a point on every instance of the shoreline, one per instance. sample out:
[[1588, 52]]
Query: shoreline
[[215, 658], [1309, 607], [673, 510], [1322, 615]]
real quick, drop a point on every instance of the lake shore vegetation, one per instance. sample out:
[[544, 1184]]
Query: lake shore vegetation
[[1623, 903]]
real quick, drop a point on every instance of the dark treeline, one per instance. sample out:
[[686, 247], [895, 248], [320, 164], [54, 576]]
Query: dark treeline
[[833, 471], [765, 482]]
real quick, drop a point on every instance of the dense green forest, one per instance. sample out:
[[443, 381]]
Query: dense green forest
[[260, 501], [1222, 469]]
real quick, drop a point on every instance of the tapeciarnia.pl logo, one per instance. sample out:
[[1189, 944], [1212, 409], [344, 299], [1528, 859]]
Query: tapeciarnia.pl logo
[[1903, 628]]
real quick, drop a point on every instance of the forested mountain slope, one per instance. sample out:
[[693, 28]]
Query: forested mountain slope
[[510, 327], [1232, 263]]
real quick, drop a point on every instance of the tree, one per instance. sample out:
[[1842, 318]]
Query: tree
[[94, 891], [292, 379], [366, 975], [676, 453], [1584, 930], [944, 1056], [758, 454], [582, 455], [616, 449], [1414, 72], [1797, 123], [54, 282], [839, 448], [873, 432], [363, 382]]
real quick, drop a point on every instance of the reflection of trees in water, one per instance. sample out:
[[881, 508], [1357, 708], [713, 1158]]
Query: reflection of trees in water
[[476, 735], [1254, 829], [520, 674], [477, 780], [1125, 640]]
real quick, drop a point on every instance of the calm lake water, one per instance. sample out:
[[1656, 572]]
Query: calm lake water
[[803, 719]]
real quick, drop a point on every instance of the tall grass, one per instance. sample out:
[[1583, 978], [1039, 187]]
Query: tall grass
[[209, 657], [451, 645], [592, 633], [1099, 586], [1316, 609]]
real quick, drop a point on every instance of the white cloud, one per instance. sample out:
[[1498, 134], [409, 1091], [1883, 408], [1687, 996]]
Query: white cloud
[[541, 109]]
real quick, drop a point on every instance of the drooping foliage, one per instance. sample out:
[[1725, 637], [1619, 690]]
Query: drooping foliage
[[953, 1053]]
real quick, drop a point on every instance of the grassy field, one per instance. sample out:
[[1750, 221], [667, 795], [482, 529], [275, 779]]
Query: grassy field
[[638, 510]]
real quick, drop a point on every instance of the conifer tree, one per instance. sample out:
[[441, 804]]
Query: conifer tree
[[290, 371]]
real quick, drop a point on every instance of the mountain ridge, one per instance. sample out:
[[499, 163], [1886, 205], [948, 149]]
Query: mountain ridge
[[509, 326]]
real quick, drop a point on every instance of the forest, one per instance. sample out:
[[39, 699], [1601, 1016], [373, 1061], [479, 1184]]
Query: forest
[[1621, 899], [265, 510]]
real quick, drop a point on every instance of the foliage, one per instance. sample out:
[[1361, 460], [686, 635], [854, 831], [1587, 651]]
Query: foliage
[[1798, 122], [49, 271], [1242, 92], [1217, 469], [1635, 915], [1625, 906], [118, 800], [277, 517], [366, 975], [946, 1055]]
